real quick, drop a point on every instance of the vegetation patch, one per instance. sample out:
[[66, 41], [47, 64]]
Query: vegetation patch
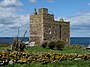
[[60, 45], [44, 45], [51, 45]]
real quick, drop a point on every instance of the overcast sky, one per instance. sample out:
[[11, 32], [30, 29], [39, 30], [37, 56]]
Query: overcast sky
[[15, 13]]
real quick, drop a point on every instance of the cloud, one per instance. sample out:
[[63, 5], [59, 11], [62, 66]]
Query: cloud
[[58, 19], [32, 1], [13, 21], [81, 19], [11, 18], [50, 1], [89, 4], [80, 24], [8, 3]]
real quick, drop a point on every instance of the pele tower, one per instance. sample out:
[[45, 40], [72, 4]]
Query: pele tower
[[44, 28]]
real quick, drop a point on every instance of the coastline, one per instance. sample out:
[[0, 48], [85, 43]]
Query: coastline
[[73, 40]]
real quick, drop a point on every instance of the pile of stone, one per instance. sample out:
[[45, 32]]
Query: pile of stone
[[42, 58]]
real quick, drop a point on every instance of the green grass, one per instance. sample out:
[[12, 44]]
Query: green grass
[[56, 64], [65, 50], [2, 48]]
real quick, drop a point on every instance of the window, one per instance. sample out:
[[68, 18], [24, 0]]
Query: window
[[50, 31]]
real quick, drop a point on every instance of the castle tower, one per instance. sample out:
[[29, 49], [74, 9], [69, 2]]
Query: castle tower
[[43, 27], [36, 28]]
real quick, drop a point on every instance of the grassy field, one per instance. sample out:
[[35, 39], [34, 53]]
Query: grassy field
[[56, 64], [2, 48], [65, 50], [73, 63]]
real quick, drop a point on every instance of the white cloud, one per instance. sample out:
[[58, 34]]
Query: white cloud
[[9, 23], [81, 19], [32, 1], [50, 1], [80, 24], [58, 19], [6, 3], [88, 3], [10, 20]]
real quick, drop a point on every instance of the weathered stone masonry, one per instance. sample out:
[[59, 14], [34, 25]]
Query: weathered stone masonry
[[43, 27]]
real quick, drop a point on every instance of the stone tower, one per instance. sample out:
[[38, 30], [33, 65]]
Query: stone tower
[[43, 27]]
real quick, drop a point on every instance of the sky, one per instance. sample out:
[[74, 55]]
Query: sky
[[15, 14]]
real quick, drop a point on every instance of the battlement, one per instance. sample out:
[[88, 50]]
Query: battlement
[[43, 11]]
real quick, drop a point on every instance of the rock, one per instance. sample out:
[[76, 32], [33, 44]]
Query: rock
[[78, 59], [11, 62]]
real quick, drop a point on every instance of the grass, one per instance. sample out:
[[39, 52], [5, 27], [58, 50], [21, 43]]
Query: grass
[[56, 64], [2, 48], [65, 50]]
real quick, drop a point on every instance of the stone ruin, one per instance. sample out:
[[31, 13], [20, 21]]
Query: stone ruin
[[43, 27]]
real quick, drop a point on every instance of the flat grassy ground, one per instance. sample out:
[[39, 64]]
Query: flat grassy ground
[[73, 63], [2, 48], [56, 64], [65, 50]]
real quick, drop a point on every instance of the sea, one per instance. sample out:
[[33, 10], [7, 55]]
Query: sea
[[73, 40]]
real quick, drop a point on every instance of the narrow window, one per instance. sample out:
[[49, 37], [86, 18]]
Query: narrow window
[[50, 31], [60, 31]]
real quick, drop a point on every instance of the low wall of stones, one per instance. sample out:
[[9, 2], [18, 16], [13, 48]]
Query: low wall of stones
[[42, 58]]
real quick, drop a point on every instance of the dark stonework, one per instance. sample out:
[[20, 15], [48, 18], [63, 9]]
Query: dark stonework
[[43, 27]]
